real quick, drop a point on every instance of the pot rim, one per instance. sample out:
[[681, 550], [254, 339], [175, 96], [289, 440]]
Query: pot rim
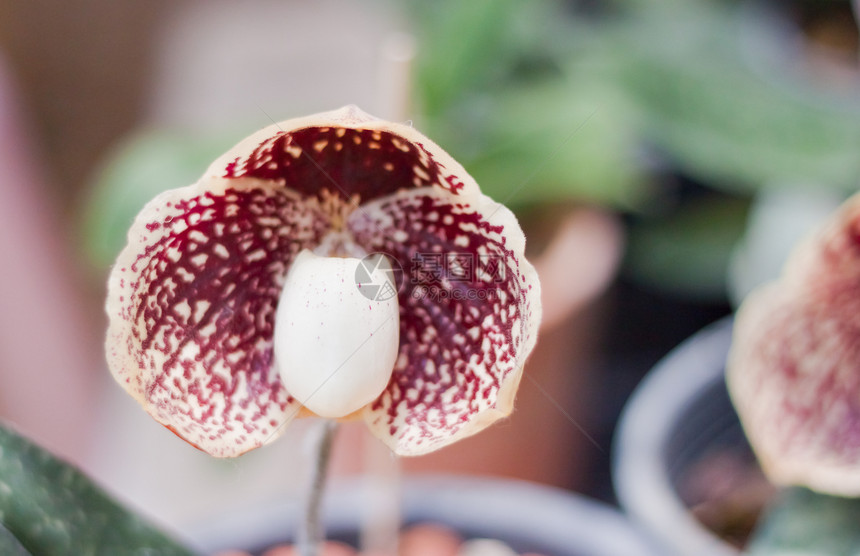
[[639, 463], [561, 522]]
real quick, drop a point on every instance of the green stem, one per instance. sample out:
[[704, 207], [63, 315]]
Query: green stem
[[311, 533]]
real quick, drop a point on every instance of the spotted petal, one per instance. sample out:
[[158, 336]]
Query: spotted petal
[[346, 152], [469, 315], [794, 369], [191, 304]]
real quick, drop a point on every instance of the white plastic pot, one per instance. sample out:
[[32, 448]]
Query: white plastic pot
[[528, 517], [679, 414]]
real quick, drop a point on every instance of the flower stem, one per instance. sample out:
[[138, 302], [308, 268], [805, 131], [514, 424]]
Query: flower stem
[[380, 524], [311, 532]]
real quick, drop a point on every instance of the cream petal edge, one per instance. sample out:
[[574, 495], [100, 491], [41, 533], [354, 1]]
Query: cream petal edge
[[350, 117], [120, 363], [497, 215]]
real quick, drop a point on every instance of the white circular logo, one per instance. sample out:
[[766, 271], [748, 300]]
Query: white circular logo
[[378, 277]]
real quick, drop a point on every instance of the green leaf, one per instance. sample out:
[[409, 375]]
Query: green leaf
[[802, 522], [143, 166], [720, 119], [561, 140], [53, 509], [466, 46], [687, 253], [9, 545], [515, 92]]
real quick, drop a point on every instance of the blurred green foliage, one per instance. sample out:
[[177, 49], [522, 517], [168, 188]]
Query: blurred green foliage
[[675, 76], [140, 168], [610, 105], [688, 253], [726, 122], [545, 101], [803, 522], [518, 92]]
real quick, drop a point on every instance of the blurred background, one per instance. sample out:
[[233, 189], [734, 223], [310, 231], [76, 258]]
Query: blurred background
[[662, 156]]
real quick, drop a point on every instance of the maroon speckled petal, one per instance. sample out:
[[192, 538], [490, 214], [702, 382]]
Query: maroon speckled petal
[[345, 152], [794, 369], [192, 302], [469, 311]]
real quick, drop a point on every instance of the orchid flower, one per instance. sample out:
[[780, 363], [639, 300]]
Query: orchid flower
[[236, 305], [794, 367]]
